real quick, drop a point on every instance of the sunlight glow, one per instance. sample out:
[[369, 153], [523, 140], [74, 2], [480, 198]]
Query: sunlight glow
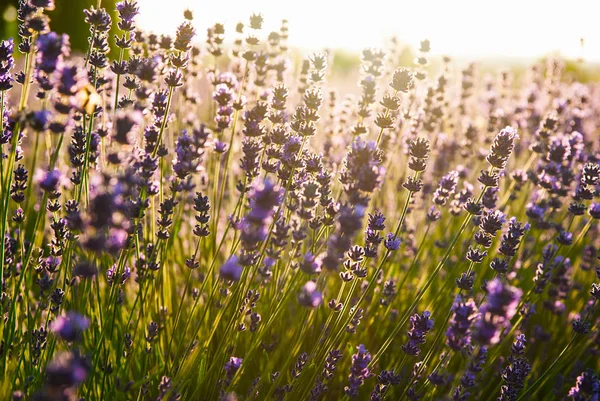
[[472, 28]]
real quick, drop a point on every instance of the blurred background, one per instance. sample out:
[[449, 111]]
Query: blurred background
[[67, 17], [459, 28], [513, 33]]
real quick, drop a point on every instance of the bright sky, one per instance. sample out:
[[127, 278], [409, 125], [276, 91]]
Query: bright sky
[[514, 28]]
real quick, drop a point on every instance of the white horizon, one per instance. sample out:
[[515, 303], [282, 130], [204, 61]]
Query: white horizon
[[458, 28]]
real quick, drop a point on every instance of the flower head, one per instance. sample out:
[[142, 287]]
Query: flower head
[[500, 307], [231, 270], [52, 49], [183, 37], [127, 9], [50, 181], [420, 326], [309, 296], [392, 242], [67, 369], [71, 326], [359, 371], [458, 335], [402, 80], [502, 147]]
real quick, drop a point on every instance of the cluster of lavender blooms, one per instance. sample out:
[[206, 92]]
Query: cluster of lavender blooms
[[359, 371], [497, 311], [189, 220]]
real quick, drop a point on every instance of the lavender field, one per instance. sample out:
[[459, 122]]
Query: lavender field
[[203, 216]]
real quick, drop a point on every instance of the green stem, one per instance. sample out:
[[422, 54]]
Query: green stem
[[542, 378]]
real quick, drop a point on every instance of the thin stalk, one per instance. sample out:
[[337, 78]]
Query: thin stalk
[[543, 376]]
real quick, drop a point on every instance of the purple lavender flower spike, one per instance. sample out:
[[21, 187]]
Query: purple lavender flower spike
[[392, 242], [50, 181], [52, 49], [310, 264], [231, 270], [309, 296], [7, 62], [496, 313], [420, 326], [458, 335], [587, 387], [446, 188], [231, 368], [67, 369], [71, 326], [359, 371]]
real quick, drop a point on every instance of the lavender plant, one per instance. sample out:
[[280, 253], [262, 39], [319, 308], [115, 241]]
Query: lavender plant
[[198, 221]]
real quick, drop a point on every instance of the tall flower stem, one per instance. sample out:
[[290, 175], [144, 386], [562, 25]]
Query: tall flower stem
[[230, 149], [428, 283], [543, 376], [29, 64]]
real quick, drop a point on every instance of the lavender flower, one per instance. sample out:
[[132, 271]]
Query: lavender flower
[[392, 242], [231, 270], [502, 148], [516, 372], [113, 276], [419, 153], [52, 49], [458, 335], [70, 327], [98, 19], [7, 62], [67, 369], [496, 313], [310, 264], [309, 296], [420, 326], [594, 211], [512, 238], [372, 238], [595, 291], [590, 175], [348, 224], [362, 170], [263, 198], [402, 80], [202, 208], [125, 125], [231, 368], [51, 180], [299, 365], [187, 156], [492, 221], [359, 371], [587, 387], [467, 381], [123, 213], [128, 10], [320, 387], [446, 188]]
